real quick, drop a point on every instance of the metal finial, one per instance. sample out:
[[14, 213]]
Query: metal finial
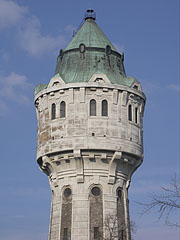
[[90, 14]]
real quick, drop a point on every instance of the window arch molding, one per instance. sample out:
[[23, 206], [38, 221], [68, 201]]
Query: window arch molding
[[92, 107], [96, 217], [62, 109], [66, 212]]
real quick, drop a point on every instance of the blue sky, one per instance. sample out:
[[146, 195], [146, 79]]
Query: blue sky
[[31, 33]]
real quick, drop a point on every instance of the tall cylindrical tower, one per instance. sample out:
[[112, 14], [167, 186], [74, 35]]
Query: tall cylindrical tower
[[90, 137]]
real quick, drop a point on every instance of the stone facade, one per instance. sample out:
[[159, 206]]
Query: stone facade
[[80, 151]]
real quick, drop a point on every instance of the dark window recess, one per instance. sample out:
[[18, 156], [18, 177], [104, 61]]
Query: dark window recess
[[66, 214], [82, 48], [135, 87], [62, 109], [96, 214], [98, 79], [67, 192], [93, 107], [55, 83], [104, 108], [130, 113], [53, 111], [108, 50], [96, 191], [136, 115], [119, 193], [120, 215], [96, 233], [65, 236]]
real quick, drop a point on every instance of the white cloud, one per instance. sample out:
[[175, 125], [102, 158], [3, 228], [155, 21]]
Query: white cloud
[[12, 88], [174, 87], [28, 29], [34, 43], [10, 13]]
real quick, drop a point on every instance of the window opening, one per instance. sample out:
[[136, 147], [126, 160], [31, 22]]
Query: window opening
[[96, 191], [119, 193], [130, 113], [104, 108], [53, 111], [65, 237], [96, 233], [93, 107], [135, 87], [96, 213], [62, 109], [67, 192], [136, 115]]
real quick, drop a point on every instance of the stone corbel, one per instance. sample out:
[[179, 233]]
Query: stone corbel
[[112, 167], [49, 170], [131, 97], [135, 98], [79, 166]]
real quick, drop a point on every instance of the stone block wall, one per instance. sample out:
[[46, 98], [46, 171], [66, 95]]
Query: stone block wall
[[81, 152]]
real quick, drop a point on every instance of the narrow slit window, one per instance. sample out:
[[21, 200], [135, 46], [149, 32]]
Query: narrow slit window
[[96, 233], [136, 115], [65, 237], [62, 109], [93, 107], [104, 108], [53, 111], [130, 113]]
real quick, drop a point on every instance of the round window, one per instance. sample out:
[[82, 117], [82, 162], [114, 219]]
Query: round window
[[67, 192], [96, 191]]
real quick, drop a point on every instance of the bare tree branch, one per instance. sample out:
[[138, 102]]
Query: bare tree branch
[[165, 203], [114, 230]]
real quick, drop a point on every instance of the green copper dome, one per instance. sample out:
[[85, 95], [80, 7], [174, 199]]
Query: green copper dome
[[89, 53], [90, 35]]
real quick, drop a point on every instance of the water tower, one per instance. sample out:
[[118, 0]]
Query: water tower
[[90, 137]]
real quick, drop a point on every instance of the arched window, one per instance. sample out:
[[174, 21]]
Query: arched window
[[104, 108], [93, 107], [121, 215], [136, 115], [53, 111], [62, 109], [96, 217], [66, 214], [130, 113]]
